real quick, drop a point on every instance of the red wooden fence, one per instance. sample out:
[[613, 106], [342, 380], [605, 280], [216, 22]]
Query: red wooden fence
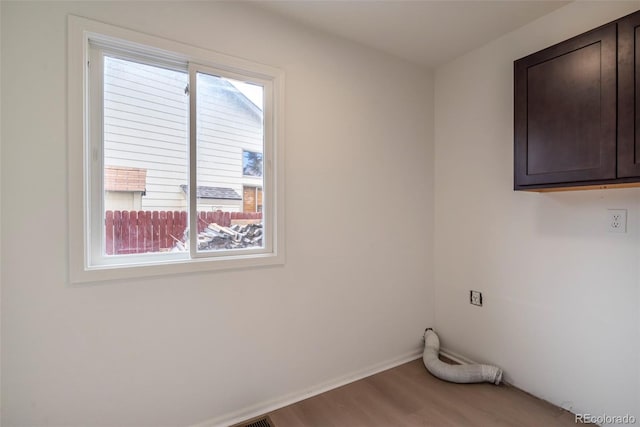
[[130, 232]]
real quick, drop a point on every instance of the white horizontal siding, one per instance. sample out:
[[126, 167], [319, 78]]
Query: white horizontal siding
[[134, 136], [159, 155], [166, 178], [223, 111], [146, 126], [226, 136], [220, 173], [160, 191], [127, 114], [149, 162], [151, 128], [146, 103]]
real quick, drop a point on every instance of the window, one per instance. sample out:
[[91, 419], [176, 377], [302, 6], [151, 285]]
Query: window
[[166, 144], [252, 163]]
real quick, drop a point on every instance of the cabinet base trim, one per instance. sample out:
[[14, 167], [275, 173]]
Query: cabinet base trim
[[583, 187]]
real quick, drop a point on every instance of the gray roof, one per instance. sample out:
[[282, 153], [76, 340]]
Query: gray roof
[[204, 192]]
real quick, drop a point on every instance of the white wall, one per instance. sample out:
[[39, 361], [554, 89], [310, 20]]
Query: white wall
[[355, 293], [1, 272], [561, 300]]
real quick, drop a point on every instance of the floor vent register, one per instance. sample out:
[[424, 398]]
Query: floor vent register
[[259, 422]]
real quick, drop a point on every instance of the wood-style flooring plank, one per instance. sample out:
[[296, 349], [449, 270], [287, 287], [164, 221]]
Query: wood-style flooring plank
[[409, 396]]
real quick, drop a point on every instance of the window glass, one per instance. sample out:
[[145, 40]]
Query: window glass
[[229, 147], [145, 149]]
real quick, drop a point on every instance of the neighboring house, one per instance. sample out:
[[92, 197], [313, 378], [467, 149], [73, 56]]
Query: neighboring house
[[214, 198], [146, 129], [124, 187]]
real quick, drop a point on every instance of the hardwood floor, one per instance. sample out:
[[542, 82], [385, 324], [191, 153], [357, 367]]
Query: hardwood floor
[[409, 396]]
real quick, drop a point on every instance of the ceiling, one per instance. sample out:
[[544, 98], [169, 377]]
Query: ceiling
[[429, 33]]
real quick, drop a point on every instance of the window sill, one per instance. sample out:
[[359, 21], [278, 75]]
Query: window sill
[[81, 274]]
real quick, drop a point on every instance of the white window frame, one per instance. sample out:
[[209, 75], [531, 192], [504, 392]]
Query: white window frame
[[87, 263]]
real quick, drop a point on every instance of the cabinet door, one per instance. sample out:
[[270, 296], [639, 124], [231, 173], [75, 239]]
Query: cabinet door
[[565, 112], [628, 96]]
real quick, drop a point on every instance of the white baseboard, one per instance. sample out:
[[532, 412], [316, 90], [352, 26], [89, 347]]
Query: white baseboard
[[466, 361], [456, 357], [271, 405]]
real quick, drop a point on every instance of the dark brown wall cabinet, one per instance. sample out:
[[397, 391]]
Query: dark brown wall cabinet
[[576, 120]]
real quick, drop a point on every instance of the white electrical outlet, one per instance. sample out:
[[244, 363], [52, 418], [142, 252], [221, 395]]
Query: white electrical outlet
[[617, 220], [475, 298]]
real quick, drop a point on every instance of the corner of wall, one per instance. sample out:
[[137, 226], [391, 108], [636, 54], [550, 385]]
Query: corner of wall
[[537, 258]]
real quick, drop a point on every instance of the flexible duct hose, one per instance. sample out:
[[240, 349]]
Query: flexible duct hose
[[455, 373]]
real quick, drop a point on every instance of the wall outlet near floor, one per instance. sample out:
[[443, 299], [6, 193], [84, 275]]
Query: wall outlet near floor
[[617, 220], [475, 298]]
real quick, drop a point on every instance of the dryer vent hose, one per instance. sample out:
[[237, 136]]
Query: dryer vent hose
[[455, 373]]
